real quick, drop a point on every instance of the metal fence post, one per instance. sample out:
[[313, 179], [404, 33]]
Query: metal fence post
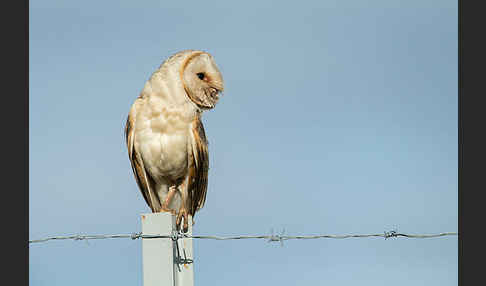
[[161, 266]]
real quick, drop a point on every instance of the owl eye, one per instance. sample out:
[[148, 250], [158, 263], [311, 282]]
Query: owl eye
[[200, 75]]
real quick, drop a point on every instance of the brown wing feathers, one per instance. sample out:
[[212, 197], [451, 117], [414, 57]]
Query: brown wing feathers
[[144, 180], [199, 174]]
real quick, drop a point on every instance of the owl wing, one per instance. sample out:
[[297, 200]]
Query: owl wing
[[144, 181], [198, 172]]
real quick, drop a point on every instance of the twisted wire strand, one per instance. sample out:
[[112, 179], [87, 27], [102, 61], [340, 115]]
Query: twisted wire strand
[[270, 238]]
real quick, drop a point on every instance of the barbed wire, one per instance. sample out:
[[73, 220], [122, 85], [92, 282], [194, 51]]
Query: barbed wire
[[270, 238]]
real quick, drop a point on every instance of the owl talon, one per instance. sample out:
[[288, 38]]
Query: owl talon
[[182, 214]]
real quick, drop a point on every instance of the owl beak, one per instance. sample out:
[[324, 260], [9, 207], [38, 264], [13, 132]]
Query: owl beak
[[214, 92]]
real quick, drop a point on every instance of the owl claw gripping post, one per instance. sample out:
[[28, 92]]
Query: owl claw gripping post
[[165, 137]]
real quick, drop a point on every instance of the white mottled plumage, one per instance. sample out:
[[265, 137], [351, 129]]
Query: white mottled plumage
[[166, 143]]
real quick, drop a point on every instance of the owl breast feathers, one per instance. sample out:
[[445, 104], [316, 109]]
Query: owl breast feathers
[[167, 146]]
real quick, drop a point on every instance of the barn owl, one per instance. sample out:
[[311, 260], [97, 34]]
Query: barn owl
[[165, 137]]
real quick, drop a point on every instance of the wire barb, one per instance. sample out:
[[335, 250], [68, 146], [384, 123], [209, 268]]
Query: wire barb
[[389, 234], [136, 235], [277, 237]]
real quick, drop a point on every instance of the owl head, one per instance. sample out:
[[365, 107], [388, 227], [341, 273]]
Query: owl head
[[202, 80]]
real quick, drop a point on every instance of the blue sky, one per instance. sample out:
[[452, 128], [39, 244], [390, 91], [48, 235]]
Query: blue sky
[[338, 117]]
